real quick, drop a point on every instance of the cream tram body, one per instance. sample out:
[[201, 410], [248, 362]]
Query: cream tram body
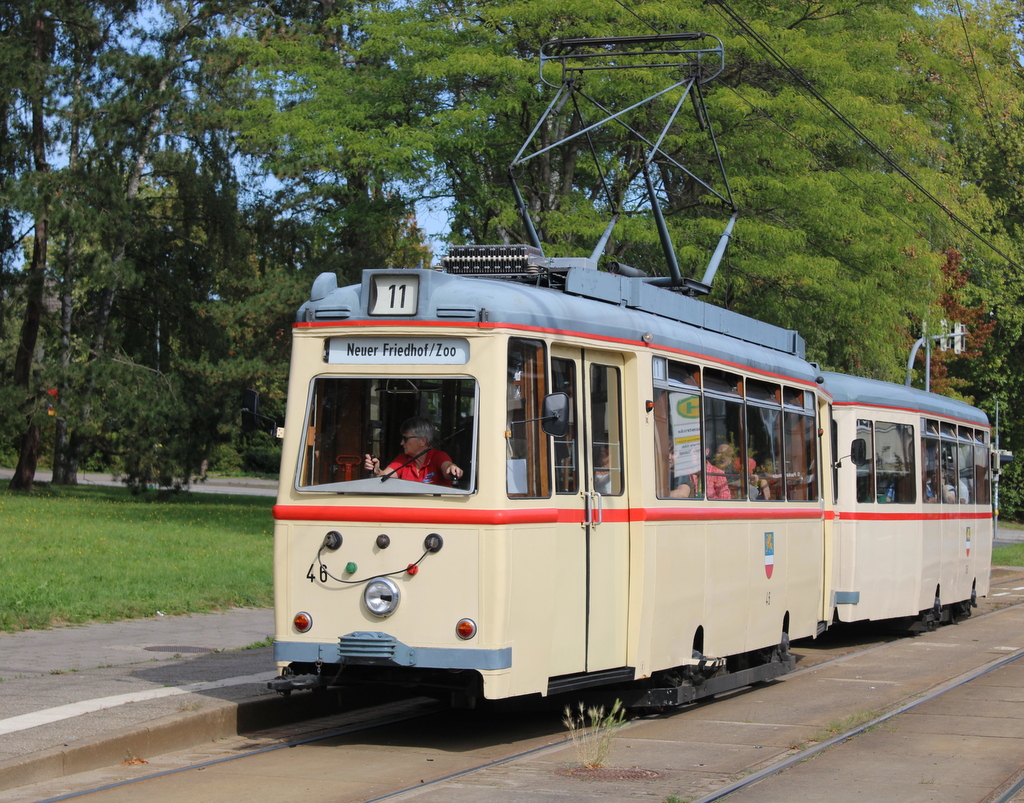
[[914, 522], [562, 562]]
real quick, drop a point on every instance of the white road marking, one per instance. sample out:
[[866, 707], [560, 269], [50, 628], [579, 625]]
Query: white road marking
[[49, 715], [865, 680]]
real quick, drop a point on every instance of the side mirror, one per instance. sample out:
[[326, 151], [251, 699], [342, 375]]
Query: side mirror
[[252, 421], [859, 452], [555, 414], [250, 410]]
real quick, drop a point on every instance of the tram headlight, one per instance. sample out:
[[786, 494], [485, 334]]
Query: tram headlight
[[381, 597]]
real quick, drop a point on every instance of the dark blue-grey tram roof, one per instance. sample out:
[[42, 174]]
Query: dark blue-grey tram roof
[[858, 390], [592, 303]]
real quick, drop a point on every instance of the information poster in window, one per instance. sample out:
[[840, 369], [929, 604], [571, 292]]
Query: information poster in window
[[684, 417]]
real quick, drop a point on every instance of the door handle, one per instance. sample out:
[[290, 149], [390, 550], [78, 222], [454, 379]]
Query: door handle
[[591, 505]]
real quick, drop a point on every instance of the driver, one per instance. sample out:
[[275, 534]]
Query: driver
[[419, 461]]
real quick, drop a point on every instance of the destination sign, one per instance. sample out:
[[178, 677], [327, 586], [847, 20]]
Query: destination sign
[[398, 350]]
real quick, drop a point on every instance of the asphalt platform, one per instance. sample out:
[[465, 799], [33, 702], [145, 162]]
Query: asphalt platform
[[76, 699], [80, 697]]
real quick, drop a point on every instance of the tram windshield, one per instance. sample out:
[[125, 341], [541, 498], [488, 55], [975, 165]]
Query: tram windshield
[[349, 418]]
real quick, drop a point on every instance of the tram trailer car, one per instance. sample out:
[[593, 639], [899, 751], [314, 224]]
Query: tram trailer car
[[914, 517], [666, 541]]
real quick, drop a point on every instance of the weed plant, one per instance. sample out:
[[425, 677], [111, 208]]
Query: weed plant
[[74, 555], [592, 732]]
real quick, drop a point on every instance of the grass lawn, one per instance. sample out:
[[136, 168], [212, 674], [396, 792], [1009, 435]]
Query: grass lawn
[[1012, 554], [72, 555]]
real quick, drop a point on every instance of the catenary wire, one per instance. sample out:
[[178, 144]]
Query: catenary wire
[[874, 147]]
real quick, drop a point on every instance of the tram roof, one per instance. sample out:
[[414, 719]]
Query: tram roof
[[859, 390], [591, 303]]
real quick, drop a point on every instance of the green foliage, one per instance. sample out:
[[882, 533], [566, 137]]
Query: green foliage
[[200, 165], [224, 459], [101, 554], [262, 458], [1011, 491]]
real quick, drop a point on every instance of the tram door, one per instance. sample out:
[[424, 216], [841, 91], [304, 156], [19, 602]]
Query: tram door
[[600, 493]]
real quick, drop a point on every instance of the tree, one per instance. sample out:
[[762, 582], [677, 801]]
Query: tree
[[336, 119], [42, 39], [827, 241]]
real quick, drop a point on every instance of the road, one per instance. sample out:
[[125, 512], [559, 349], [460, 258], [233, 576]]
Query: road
[[242, 486]]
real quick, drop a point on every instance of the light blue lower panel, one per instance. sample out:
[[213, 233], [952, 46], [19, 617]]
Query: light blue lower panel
[[847, 597], [379, 649]]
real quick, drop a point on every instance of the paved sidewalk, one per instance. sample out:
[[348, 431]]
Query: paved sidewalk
[[130, 687], [79, 697], [958, 748], [1008, 535]]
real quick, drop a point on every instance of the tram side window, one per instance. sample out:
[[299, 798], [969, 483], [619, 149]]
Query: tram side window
[[606, 430], [802, 480], [866, 472], [981, 470], [723, 449], [527, 461], [563, 378], [677, 408], [764, 442], [895, 474], [948, 465], [930, 485], [965, 485], [834, 434]]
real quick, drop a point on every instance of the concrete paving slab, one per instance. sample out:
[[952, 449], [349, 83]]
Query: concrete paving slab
[[694, 730], [966, 724], [728, 737], [65, 672]]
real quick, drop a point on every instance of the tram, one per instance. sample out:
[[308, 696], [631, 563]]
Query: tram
[[627, 489], [642, 503], [914, 520]]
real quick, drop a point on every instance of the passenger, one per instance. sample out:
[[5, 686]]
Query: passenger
[[419, 462], [929, 488], [680, 490], [718, 485], [602, 470], [757, 487], [954, 488]]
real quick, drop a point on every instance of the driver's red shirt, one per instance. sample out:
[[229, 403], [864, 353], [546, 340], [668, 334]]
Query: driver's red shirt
[[430, 471]]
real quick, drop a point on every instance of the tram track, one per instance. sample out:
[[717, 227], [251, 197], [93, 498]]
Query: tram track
[[545, 742], [426, 709], [842, 738]]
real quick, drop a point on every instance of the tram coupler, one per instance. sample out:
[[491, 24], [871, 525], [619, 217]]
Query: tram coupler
[[286, 685], [672, 696]]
